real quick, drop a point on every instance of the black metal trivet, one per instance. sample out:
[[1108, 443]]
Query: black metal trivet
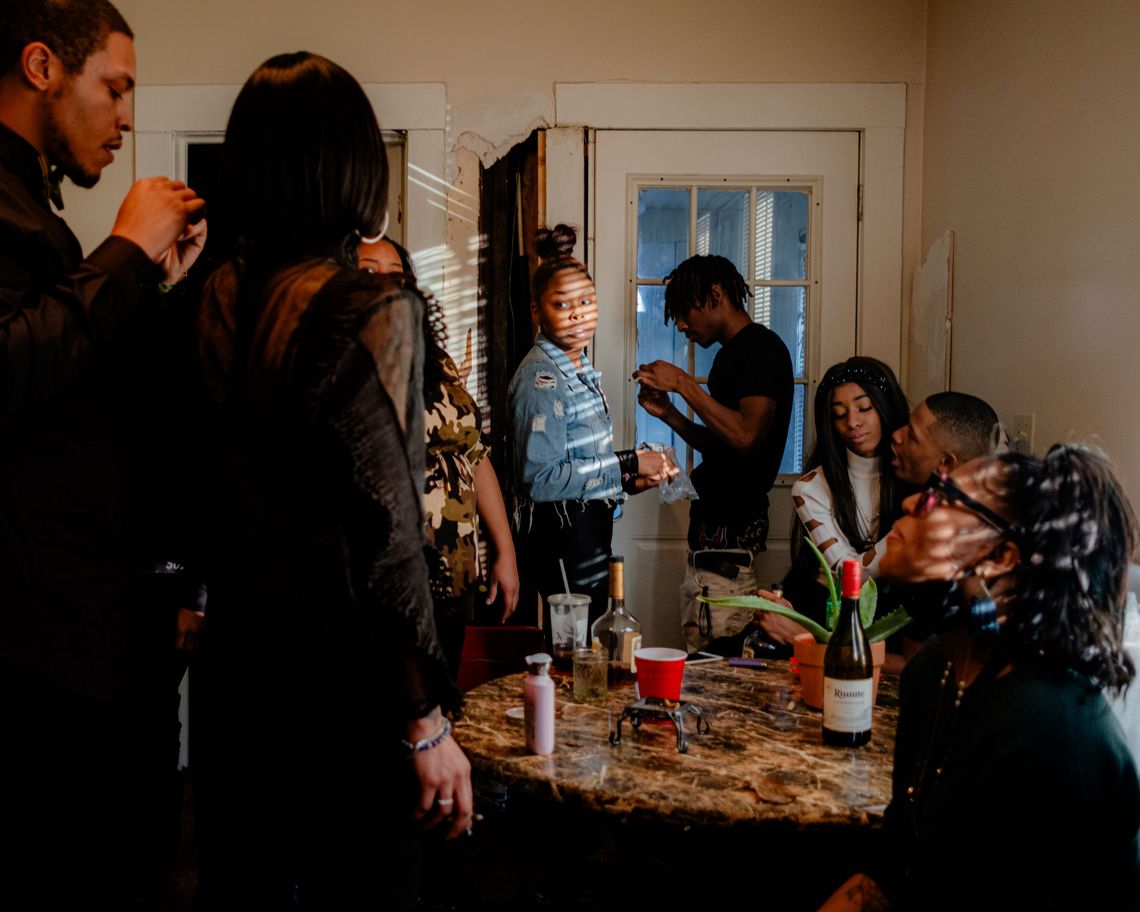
[[656, 708]]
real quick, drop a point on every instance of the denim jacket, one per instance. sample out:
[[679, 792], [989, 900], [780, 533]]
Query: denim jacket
[[563, 437]]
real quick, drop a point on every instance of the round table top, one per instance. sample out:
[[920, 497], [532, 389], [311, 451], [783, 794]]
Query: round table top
[[763, 762]]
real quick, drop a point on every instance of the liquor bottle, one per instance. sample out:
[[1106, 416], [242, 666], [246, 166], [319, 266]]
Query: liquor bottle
[[847, 670], [538, 705], [617, 631]]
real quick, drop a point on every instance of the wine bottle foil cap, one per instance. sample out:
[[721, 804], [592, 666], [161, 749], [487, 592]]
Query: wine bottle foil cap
[[852, 578]]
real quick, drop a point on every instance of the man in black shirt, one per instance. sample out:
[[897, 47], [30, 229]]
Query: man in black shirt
[[744, 414], [75, 392]]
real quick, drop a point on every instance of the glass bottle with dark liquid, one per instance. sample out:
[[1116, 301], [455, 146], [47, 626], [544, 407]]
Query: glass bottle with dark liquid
[[848, 673], [616, 631]]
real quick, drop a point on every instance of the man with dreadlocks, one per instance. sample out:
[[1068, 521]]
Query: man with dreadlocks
[[744, 414]]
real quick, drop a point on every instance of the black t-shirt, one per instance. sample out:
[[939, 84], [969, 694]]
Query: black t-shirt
[[733, 487], [1025, 795]]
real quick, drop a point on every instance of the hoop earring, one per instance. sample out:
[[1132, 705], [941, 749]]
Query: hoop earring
[[982, 618], [379, 236]]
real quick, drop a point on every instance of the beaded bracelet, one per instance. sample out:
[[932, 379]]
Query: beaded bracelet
[[428, 743]]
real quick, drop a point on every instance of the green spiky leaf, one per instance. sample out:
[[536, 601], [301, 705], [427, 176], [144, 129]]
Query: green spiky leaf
[[885, 626], [755, 603], [832, 615], [868, 600]]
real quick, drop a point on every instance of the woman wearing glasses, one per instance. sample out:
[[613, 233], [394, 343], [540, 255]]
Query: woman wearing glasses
[[1013, 787]]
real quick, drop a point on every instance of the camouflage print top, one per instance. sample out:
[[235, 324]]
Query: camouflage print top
[[454, 448]]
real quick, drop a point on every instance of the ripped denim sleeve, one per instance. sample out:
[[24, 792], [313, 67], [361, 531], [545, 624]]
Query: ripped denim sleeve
[[563, 440]]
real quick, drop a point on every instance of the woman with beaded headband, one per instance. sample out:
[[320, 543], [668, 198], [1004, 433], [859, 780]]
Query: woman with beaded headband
[[849, 496], [1013, 787]]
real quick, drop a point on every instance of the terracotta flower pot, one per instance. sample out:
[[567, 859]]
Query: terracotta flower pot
[[809, 656]]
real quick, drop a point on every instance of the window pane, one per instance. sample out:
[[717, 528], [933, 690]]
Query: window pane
[[782, 310], [722, 225], [662, 231], [793, 460], [781, 234], [657, 341]]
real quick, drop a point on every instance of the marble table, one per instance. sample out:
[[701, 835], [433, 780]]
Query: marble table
[[763, 764]]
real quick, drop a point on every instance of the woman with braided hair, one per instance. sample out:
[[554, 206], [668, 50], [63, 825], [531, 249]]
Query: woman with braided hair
[[1013, 787]]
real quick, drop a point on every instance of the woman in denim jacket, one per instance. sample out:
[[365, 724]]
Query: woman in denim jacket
[[568, 476]]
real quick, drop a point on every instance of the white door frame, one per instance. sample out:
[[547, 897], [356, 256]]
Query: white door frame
[[876, 110], [166, 116]]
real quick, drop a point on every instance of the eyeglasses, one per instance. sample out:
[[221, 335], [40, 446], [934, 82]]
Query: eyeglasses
[[941, 490]]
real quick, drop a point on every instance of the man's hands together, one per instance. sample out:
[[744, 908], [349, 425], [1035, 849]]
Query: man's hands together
[[159, 215]]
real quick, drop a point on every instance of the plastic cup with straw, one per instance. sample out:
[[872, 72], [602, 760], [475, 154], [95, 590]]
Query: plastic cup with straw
[[569, 617]]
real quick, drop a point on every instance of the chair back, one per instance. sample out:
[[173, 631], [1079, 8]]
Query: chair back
[[494, 651]]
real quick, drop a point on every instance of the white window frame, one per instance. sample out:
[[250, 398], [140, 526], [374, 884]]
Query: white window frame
[[877, 111], [810, 284], [167, 118]]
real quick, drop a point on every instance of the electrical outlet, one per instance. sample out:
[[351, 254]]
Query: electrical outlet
[[1021, 434]]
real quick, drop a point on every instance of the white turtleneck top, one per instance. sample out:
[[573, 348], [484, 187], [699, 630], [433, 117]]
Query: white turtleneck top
[[813, 501]]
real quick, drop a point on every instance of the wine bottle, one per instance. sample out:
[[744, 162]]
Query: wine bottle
[[616, 631], [847, 670]]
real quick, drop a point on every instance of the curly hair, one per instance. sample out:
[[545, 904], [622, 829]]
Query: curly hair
[[555, 248], [1078, 534], [690, 285]]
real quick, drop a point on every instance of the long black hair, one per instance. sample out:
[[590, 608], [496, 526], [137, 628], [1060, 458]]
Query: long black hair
[[1077, 534], [829, 452], [304, 171]]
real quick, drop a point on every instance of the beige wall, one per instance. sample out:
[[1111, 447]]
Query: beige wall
[[500, 60], [1032, 132]]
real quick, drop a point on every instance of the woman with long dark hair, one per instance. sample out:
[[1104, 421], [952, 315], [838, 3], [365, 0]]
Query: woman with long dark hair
[[849, 496], [1013, 787], [319, 733]]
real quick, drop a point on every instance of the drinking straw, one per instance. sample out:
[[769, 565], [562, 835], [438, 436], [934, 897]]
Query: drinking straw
[[565, 581]]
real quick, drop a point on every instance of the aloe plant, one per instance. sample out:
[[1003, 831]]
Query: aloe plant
[[868, 600]]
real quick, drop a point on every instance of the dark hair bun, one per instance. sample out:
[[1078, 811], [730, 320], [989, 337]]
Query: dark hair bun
[[555, 243]]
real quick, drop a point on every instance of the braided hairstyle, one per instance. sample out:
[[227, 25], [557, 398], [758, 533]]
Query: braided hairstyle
[[555, 248], [1077, 536], [691, 284]]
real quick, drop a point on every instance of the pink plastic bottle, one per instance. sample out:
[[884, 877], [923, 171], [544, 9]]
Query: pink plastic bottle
[[538, 703]]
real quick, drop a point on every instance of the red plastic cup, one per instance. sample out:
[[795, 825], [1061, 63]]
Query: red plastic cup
[[659, 672]]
